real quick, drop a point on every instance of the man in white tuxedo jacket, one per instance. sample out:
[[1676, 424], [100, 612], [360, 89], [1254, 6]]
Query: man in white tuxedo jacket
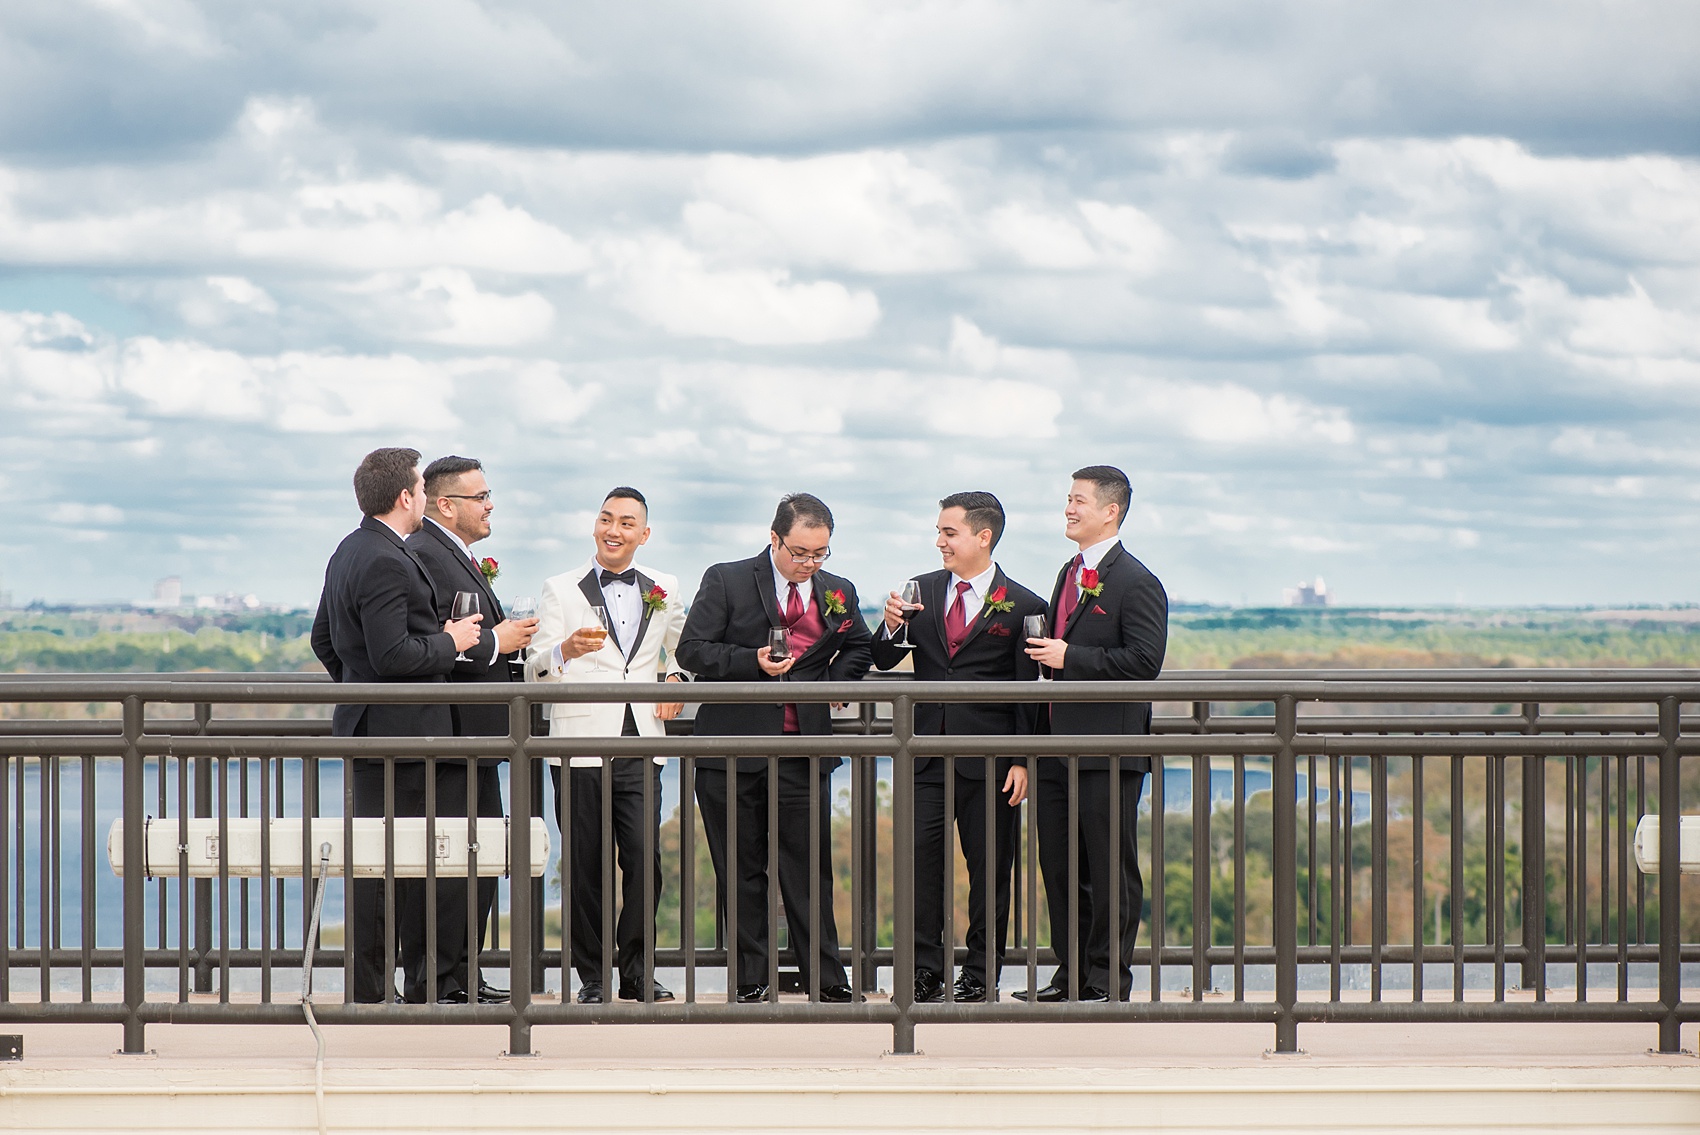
[[645, 614]]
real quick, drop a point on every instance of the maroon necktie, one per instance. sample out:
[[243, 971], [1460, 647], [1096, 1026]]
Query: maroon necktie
[[1070, 598], [793, 605], [956, 619]]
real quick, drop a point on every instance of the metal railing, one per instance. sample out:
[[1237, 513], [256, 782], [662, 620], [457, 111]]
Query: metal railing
[[1320, 806]]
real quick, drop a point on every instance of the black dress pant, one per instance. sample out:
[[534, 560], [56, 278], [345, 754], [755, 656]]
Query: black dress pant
[[933, 861], [793, 865], [1100, 867], [366, 924], [585, 813]]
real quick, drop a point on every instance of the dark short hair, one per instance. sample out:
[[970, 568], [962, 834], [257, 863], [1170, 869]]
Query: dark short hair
[[443, 470], [626, 492], [1110, 485], [804, 507], [981, 510], [383, 475]]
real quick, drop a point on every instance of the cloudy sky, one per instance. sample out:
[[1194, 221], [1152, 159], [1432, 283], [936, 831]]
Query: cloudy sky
[[1404, 295]]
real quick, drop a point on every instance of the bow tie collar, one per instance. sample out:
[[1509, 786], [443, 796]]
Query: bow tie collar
[[628, 576]]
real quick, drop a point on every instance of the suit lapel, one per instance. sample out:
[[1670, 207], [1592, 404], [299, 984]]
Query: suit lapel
[[470, 570], [764, 587], [938, 600], [644, 583], [591, 586], [1085, 600]]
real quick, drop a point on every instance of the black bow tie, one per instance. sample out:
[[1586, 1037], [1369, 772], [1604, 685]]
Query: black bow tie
[[627, 576]]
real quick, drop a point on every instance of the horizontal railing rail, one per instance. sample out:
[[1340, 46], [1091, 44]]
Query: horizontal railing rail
[[1335, 854]]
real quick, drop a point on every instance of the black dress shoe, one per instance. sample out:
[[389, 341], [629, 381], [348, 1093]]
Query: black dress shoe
[[453, 997], [928, 987], [1087, 993], [590, 993], [752, 994], [489, 995], [1045, 996], [969, 989], [630, 993], [836, 994]]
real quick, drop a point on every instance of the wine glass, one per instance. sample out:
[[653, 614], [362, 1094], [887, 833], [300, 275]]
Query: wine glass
[[466, 605], [910, 599], [525, 607], [778, 644], [1032, 627]]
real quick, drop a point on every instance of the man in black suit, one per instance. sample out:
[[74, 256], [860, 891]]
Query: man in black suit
[[377, 622], [457, 515], [726, 640], [967, 628], [1110, 624]]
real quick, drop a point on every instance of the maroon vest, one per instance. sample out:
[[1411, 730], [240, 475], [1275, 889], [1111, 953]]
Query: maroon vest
[[801, 635]]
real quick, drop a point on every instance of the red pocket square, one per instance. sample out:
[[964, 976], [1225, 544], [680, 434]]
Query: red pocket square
[[844, 626], [1097, 610], [997, 629]]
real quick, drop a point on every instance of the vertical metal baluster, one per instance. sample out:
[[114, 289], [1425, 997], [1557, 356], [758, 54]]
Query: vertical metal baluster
[[162, 771], [1623, 836], [50, 868], [569, 894], [1030, 828], [522, 786], [1239, 877], [242, 883], [87, 855], [263, 888], [1640, 876], [1534, 862], [1286, 928], [1455, 822], [858, 884], [1378, 868], [650, 848], [223, 880], [815, 834], [1580, 876], [7, 766], [135, 896], [391, 930], [605, 848], [947, 893], [1670, 856], [1496, 871], [903, 874], [771, 859], [1336, 891], [1346, 857], [351, 929], [1419, 888], [1202, 930], [432, 914], [1159, 862], [1313, 896], [1605, 851], [200, 891], [687, 879], [187, 962]]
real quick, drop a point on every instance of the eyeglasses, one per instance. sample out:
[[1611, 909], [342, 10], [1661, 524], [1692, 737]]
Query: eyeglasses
[[481, 498], [797, 557]]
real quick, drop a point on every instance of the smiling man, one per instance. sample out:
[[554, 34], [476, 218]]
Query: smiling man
[[457, 516], [968, 629], [1110, 624], [726, 640], [646, 613]]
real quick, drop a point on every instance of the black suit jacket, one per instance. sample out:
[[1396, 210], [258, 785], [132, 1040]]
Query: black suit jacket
[[992, 652], [1117, 636], [451, 571], [377, 622], [728, 623]]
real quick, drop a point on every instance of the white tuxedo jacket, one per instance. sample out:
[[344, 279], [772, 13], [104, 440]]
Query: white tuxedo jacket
[[564, 608]]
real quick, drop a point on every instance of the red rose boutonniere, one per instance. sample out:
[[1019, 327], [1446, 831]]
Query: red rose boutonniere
[[655, 599], [1089, 584], [489, 569], [835, 602], [998, 602]]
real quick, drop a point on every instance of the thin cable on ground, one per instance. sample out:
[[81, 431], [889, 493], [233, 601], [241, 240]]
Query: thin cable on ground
[[307, 989]]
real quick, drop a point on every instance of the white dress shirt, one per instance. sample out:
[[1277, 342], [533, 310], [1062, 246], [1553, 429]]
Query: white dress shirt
[[625, 609], [467, 552]]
